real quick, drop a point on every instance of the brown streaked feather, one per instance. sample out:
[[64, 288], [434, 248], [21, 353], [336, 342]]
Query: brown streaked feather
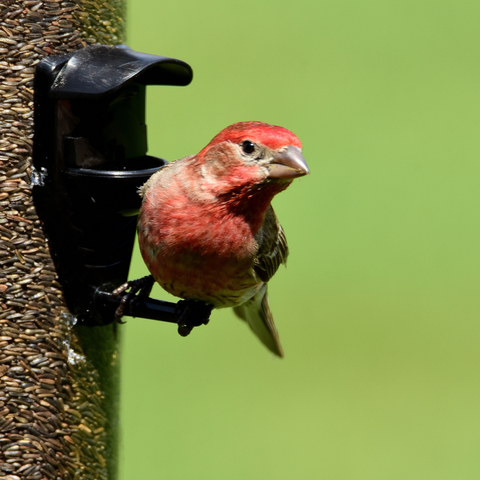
[[256, 312], [272, 247]]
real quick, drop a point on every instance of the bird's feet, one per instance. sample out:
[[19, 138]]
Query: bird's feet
[[144, 285], [190, 314]]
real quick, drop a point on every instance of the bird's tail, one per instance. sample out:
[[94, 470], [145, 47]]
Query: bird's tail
[[256, 312]]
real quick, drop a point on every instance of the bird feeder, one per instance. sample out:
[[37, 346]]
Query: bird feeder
[[90, 158]]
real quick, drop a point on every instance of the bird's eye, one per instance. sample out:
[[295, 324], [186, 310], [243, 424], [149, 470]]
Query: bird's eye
[[248, 146]]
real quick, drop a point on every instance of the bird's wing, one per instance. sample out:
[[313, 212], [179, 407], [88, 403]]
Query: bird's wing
[[272, 247], [272, 252], [256, 312]]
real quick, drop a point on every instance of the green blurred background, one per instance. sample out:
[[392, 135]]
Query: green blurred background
[[378, 309]]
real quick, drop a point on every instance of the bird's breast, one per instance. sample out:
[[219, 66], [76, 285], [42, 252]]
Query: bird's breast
[[200, 251]]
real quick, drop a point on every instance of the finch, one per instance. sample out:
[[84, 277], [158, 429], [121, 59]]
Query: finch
[[207, 230]]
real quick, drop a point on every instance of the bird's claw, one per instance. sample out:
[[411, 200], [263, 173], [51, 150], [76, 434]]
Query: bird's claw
[[144, 285], [190, 314]]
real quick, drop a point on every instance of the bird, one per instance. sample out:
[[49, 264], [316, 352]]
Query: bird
[[206, 229]]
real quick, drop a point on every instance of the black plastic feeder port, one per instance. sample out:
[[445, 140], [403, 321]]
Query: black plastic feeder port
[[90, 158]]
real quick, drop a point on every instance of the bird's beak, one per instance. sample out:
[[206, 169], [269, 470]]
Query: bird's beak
[[288, 163]]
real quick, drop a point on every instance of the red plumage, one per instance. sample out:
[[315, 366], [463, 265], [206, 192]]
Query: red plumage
[[207, 230]]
